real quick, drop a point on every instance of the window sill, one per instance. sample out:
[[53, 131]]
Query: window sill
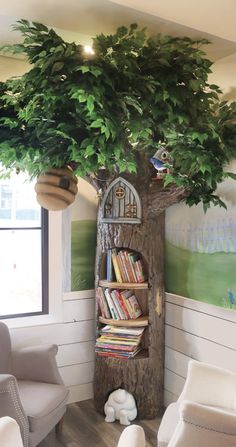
[[35, 320]]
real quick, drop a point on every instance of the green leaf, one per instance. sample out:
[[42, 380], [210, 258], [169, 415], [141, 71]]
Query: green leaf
[[57, 66], [117, 151], [81, 97], [42, 53], [90, 103], [90, 150], [95, 71], [134, 103], [221, 203], [131, 166], [105, 130], [165, 95], [39, 26], [102, 159], [195, 84], [59, 49], [231, 175], [84, 68], [206, 206], [97, 123], [168, 179]]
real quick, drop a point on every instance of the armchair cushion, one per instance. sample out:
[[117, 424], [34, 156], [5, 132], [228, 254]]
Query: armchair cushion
[[36, 363], [40, 400], [211, 418], [200, 425]]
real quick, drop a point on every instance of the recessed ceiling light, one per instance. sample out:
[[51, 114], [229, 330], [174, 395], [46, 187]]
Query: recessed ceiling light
[[88, 49]]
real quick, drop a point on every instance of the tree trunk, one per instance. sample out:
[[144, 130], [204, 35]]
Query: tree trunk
[[143, 375]]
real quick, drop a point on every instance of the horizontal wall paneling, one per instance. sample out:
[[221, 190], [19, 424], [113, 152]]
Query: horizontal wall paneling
[[199, 331]]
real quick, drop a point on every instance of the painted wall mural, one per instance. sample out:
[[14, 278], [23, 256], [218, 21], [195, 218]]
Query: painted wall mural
[[201, 250], [83, 237]]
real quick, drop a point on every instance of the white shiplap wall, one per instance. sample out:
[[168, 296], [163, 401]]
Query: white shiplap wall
[[75, 339], [196, 330]]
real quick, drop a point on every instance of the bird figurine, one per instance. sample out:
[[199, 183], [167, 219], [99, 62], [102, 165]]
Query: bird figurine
[[161, 162]]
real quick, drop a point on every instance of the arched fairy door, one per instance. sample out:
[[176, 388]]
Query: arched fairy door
[[121, 203]]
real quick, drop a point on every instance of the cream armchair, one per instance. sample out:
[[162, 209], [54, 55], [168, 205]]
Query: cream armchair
[[31, 389], [132, 436], [9, 433], [205, 412]]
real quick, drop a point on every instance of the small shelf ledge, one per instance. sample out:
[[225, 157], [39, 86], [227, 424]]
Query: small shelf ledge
[[137, 322], [123, 285]]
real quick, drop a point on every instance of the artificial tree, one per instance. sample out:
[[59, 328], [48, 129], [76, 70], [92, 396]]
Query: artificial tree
[[106, 114], [134, 94]]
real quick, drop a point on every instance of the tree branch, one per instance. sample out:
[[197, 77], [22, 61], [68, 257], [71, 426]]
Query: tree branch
[[161, 198]]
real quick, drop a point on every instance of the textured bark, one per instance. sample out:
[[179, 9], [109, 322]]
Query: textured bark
[[143, 377]]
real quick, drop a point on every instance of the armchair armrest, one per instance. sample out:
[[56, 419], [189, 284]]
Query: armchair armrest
[[203, 425], [210, 385], [37, 363], [10, 404]]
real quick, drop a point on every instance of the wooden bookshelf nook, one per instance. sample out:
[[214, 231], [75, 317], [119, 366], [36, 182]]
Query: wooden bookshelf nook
[[141, 375]]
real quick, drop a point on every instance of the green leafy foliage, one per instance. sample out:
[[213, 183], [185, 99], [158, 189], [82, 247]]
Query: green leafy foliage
[[135, 94]]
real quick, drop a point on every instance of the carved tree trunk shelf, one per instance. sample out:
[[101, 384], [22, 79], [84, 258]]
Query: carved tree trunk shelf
[[143, 375]]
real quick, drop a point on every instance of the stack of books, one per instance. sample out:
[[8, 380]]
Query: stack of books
[[124, 266], [119, 342], [117, 304]]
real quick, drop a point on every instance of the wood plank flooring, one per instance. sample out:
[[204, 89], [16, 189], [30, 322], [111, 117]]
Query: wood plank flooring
[[84, 427]]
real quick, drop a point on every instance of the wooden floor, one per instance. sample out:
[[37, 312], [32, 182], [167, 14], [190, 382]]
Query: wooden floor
[[84, 427]]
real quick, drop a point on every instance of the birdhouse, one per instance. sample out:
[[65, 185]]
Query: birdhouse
[[121, 203], [56, 188], [161, 161]]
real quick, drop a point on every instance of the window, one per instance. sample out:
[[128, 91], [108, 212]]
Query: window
[[23, 250]]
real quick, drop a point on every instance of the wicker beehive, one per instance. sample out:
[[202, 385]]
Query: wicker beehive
[[56, 188]]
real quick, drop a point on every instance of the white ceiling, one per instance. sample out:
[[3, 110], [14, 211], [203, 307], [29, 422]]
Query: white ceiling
[[216, 17], [78, 20]]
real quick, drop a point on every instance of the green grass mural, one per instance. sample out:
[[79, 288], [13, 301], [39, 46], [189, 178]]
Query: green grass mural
[[201, 276], [83, 247]]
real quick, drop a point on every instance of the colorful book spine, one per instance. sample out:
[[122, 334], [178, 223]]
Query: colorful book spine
[[131, 276], [116, 266], [125, 295], [103, 302], [133, 259], [134, 304], [117, 305], [109, 275], [131, 262], [121, 267], [122, 305], [113, 311], [139, 271], [121, 255], [100, 304]]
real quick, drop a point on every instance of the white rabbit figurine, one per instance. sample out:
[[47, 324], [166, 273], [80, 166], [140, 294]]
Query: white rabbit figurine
[[120, 405]]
